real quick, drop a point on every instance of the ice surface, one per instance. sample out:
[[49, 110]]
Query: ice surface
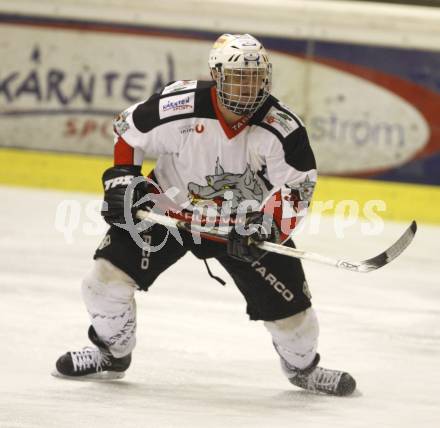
[[199, 362]]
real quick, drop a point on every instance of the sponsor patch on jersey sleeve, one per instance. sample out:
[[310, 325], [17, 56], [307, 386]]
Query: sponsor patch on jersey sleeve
[[180, 85], [284, 106], [280, 121], [176, 105]]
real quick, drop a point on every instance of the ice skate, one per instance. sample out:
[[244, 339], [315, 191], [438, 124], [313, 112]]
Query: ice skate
[[319, 379], [91, 363]]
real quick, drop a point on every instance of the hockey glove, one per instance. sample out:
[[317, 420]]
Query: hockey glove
[[258, 229], [115, 181]]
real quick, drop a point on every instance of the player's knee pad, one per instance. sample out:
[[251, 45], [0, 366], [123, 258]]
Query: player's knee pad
[[106, 284], [109, 297], [296, 338]]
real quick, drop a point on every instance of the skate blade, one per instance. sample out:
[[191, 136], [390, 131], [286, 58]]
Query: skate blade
[[101, 376]]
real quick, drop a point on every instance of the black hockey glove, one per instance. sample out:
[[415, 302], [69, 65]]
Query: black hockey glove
[[242, 247], [115, 181]]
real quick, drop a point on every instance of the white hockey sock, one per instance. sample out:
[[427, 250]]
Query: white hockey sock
[[295, 338], [108, 294]]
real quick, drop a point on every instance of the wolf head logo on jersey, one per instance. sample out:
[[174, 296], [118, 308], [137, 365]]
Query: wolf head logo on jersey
[[120, 124], [303, 191], [242, 187]]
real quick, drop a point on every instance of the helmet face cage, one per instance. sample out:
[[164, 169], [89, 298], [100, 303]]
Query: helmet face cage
[[242, 72], [243, 90]]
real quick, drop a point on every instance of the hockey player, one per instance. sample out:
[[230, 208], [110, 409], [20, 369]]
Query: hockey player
[[225, 141]]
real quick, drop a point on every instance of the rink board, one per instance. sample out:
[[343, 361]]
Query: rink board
[[403, 202], [368, 94]]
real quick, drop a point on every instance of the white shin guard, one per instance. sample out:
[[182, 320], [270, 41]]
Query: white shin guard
[[108, 294], [295, 338]]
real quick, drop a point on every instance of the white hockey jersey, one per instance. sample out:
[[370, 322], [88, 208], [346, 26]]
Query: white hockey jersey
[[263, 159]]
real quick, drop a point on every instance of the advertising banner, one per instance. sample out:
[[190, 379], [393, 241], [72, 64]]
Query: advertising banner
[[370, 110]]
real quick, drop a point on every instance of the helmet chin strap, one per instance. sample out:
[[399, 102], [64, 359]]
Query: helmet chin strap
[[230, 117], [240, 108]]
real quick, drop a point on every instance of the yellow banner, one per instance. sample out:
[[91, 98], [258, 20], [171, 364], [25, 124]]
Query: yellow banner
[[337, 196]]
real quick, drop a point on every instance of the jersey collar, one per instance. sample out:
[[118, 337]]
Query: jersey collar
[[230, 130]]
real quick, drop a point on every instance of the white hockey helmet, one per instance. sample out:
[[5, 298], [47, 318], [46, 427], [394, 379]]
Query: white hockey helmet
[[241, 69]]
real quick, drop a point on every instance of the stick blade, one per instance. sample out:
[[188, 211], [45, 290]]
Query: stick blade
[[391, 253]]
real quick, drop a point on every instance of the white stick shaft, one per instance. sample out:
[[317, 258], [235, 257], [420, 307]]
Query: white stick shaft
[[299, 254], [363, 266], [266, 246]]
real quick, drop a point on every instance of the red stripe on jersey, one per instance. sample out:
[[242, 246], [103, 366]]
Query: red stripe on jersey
[[287, 225], [123, 153], [274, 208]]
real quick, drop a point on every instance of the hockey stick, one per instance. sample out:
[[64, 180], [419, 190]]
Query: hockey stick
[[368, 265]]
